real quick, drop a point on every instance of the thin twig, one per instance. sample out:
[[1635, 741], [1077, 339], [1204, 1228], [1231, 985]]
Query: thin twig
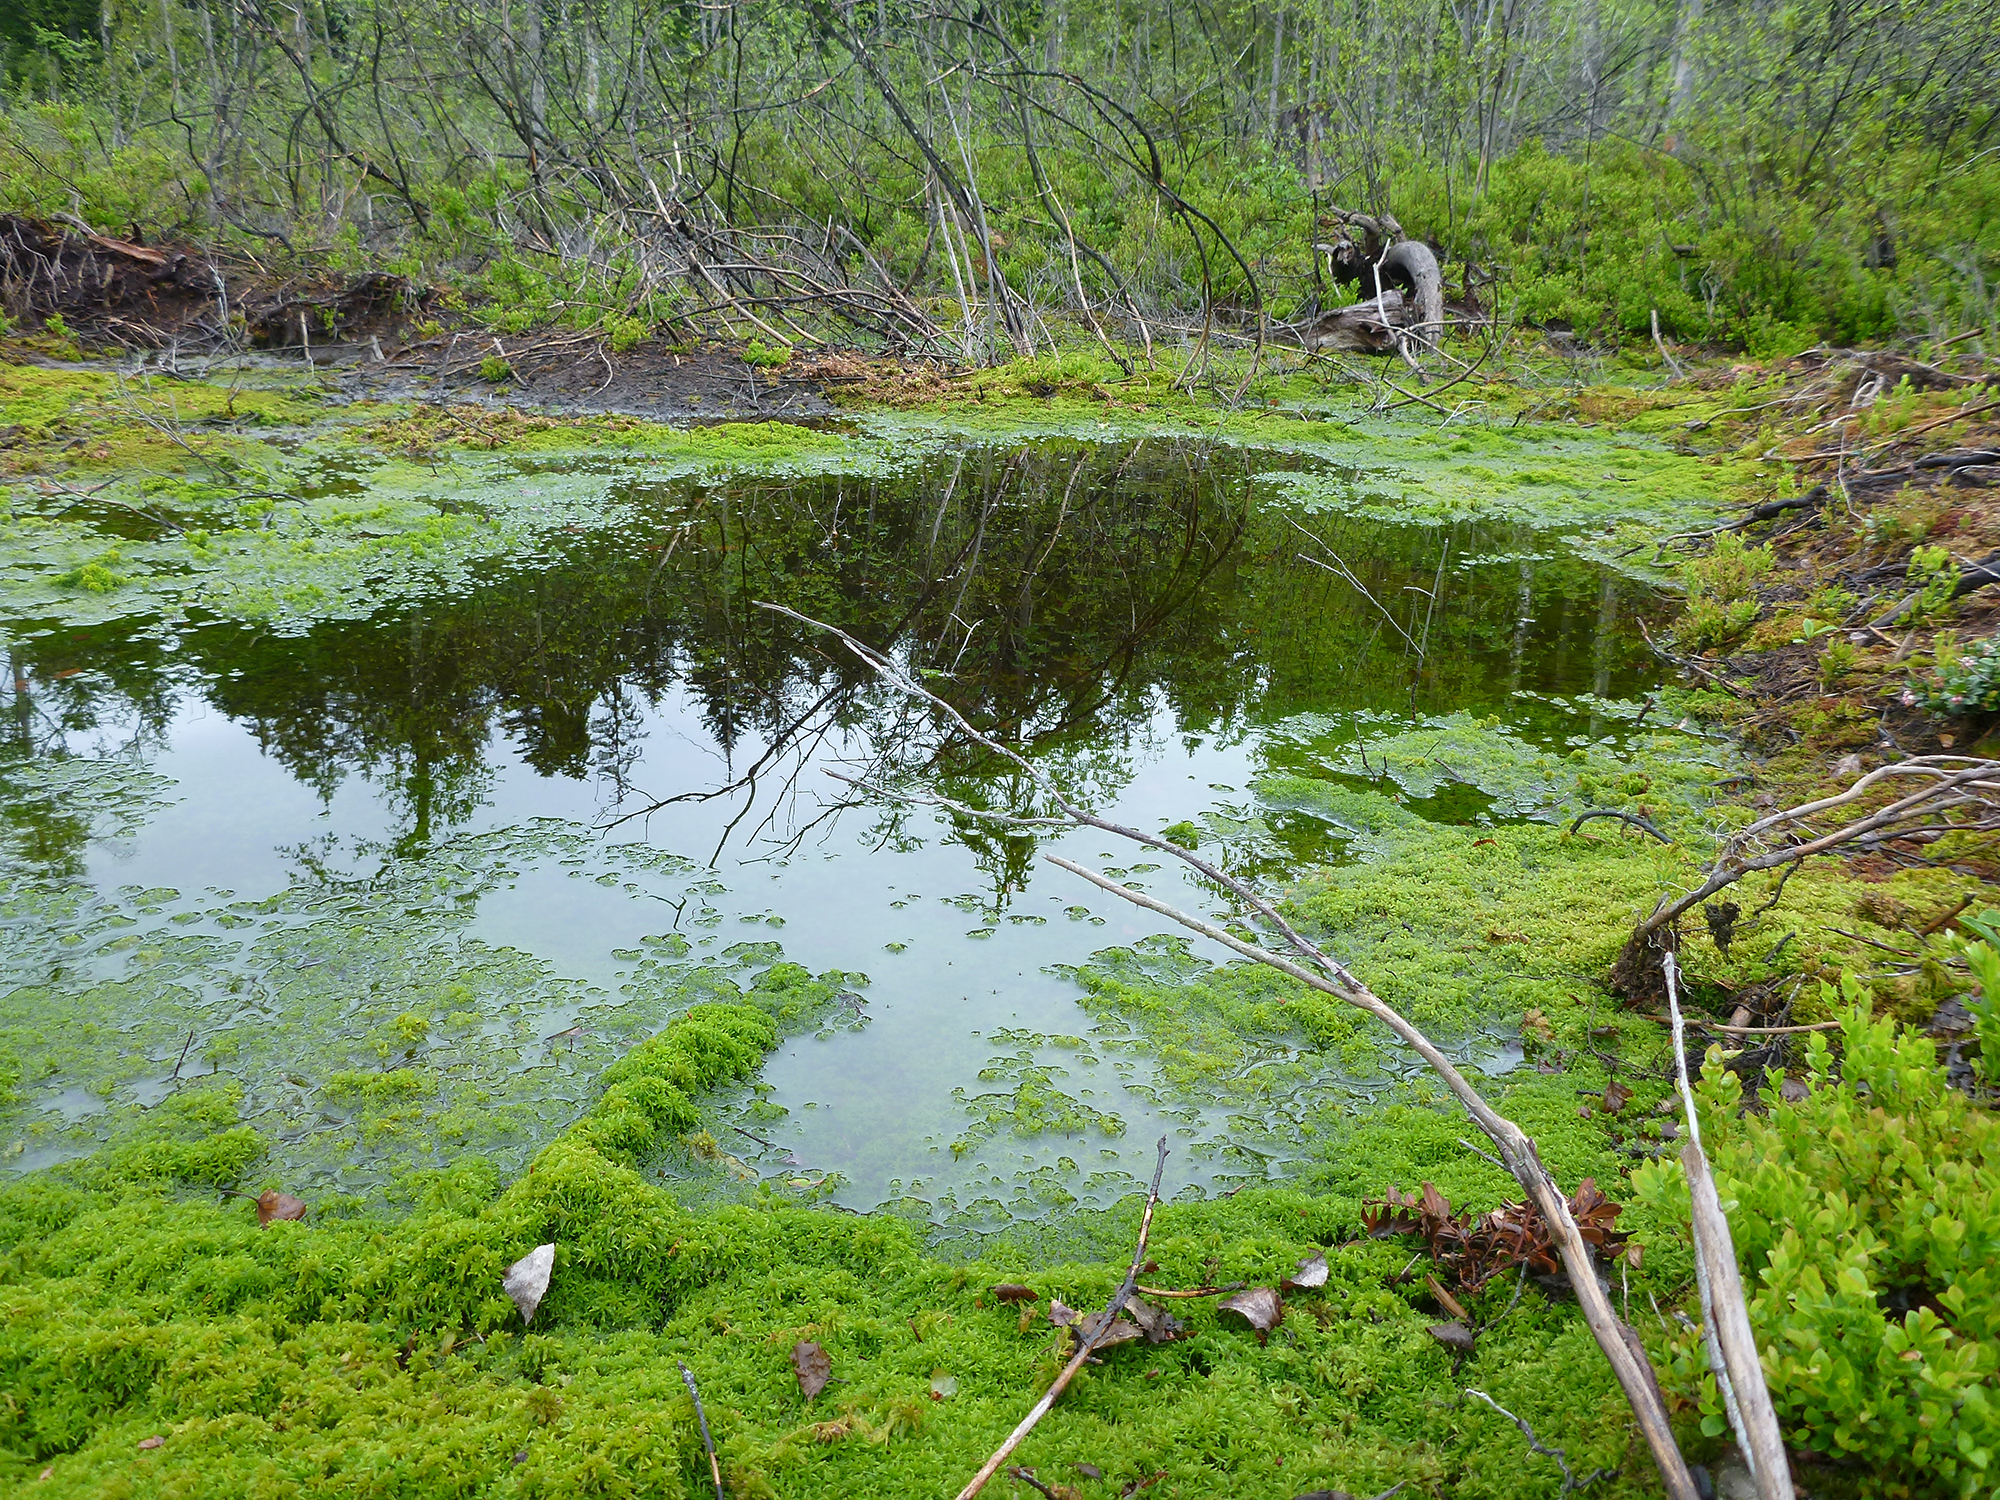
[[1089, 1335], [1611, 812], [1570, 1482], [714, 1468], [1748, 1030], [1482, 1155]]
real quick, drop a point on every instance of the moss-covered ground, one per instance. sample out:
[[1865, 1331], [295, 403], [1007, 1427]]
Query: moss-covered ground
[[158, 1342]]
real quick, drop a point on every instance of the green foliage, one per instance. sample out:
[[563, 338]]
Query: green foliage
[[1963, 680], [1982, 957], [494, 369], [1934, 572], [1867, 1219], [766, 356], [1721, 594], [626, 334]]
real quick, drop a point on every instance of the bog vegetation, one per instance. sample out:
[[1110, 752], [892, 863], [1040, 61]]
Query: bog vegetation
[[972, 177]]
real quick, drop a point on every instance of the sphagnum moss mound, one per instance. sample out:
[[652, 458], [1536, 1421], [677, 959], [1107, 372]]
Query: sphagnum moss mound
[[364, 1353]]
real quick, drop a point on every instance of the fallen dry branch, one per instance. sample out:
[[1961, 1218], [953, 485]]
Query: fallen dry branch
[[1787, 838], [1619, 1342], [1089, 1335], [1732, 1346]]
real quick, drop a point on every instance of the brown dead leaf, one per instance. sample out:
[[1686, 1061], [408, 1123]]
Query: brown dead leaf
[[277, 1205], [1454, 1336], [1133, 1486], [1446, 1301], [1013, 1291], [813, 1367], [1260, 1307], [147, 1445], [1310, 1276], [1159, 1325], [1060, 1314], [1027, 1317], [1120, 1331], [1793, 1091], [1616, 1097]]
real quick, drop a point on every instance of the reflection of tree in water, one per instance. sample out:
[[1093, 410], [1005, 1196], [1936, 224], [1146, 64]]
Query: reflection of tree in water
[[1066, 594], [94, 695]]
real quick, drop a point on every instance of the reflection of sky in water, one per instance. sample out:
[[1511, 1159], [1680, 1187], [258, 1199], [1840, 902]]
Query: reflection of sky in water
[[874, 1102]]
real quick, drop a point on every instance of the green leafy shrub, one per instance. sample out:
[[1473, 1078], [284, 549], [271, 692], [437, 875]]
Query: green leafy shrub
[[766, 356], [1867, 1219], [494, 369], [626, 334], [1721, 594], [1962, 681], [1982, 957], [1934, 575]]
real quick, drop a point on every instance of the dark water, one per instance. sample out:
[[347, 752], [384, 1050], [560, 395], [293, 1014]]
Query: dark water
[[534, 799]]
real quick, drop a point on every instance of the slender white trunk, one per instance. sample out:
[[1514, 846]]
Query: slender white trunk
[[1277, 70]]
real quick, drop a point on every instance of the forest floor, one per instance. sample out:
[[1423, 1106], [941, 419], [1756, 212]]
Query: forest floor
[[158, 1342]]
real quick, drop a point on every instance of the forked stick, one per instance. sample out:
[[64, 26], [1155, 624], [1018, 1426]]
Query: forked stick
[[1327, 974], [1732, 1346], [1086, 1341]]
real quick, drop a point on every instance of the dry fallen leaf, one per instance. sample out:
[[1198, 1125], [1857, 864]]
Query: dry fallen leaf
[[1311, 1275], [1260, 1307], [1013, 1291], [813, 1366], [1793, 1091], [1121, 1331], [1453, 1336], [277, 1205], [1446, 1301], [527, 1280], [1060, 1314], [943, 1386], [1159, 1325], [1089, 1471], [147, 1444], [1616, 1097]]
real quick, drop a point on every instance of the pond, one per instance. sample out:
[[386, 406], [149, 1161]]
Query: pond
[[407, 882]]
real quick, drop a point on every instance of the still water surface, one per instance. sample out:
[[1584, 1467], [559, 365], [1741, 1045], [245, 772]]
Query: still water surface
[[525, 815]]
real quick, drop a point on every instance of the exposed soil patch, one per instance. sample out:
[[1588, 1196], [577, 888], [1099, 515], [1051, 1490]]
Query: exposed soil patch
[[183, 301], [580, 372], [130, 294]]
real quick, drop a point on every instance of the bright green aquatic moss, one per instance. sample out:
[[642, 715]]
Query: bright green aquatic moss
[[347, 1357]]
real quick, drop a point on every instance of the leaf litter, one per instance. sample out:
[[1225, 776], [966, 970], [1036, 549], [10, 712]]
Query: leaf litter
[[814, 1367]]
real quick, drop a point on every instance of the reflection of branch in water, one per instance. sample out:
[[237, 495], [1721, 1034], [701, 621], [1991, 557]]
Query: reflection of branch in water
[[1314, 966]]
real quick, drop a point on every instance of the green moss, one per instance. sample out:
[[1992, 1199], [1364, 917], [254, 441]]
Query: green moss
[[342, 1355]]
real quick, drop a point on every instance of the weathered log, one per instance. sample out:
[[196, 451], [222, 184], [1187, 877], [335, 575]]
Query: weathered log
[[1411, 263], [1366, 327], [1374, 254]]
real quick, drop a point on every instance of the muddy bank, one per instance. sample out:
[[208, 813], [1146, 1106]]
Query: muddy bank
[[178, 307]]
